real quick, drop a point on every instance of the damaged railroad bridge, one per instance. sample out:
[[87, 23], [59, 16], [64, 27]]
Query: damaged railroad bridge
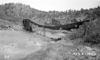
[[27, 25]]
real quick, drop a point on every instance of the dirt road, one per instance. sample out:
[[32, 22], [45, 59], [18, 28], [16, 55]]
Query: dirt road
[[18, 43]]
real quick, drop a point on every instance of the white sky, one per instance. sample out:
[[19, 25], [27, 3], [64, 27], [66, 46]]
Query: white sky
[[58, 5]]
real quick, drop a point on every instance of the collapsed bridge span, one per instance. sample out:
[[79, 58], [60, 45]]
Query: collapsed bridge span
[[28, 25]]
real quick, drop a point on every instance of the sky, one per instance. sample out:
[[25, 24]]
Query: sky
[[57, 5]]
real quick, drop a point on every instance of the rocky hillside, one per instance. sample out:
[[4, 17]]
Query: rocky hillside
[[18, 12]]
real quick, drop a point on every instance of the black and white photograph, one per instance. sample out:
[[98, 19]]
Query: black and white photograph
[[49, 29]]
